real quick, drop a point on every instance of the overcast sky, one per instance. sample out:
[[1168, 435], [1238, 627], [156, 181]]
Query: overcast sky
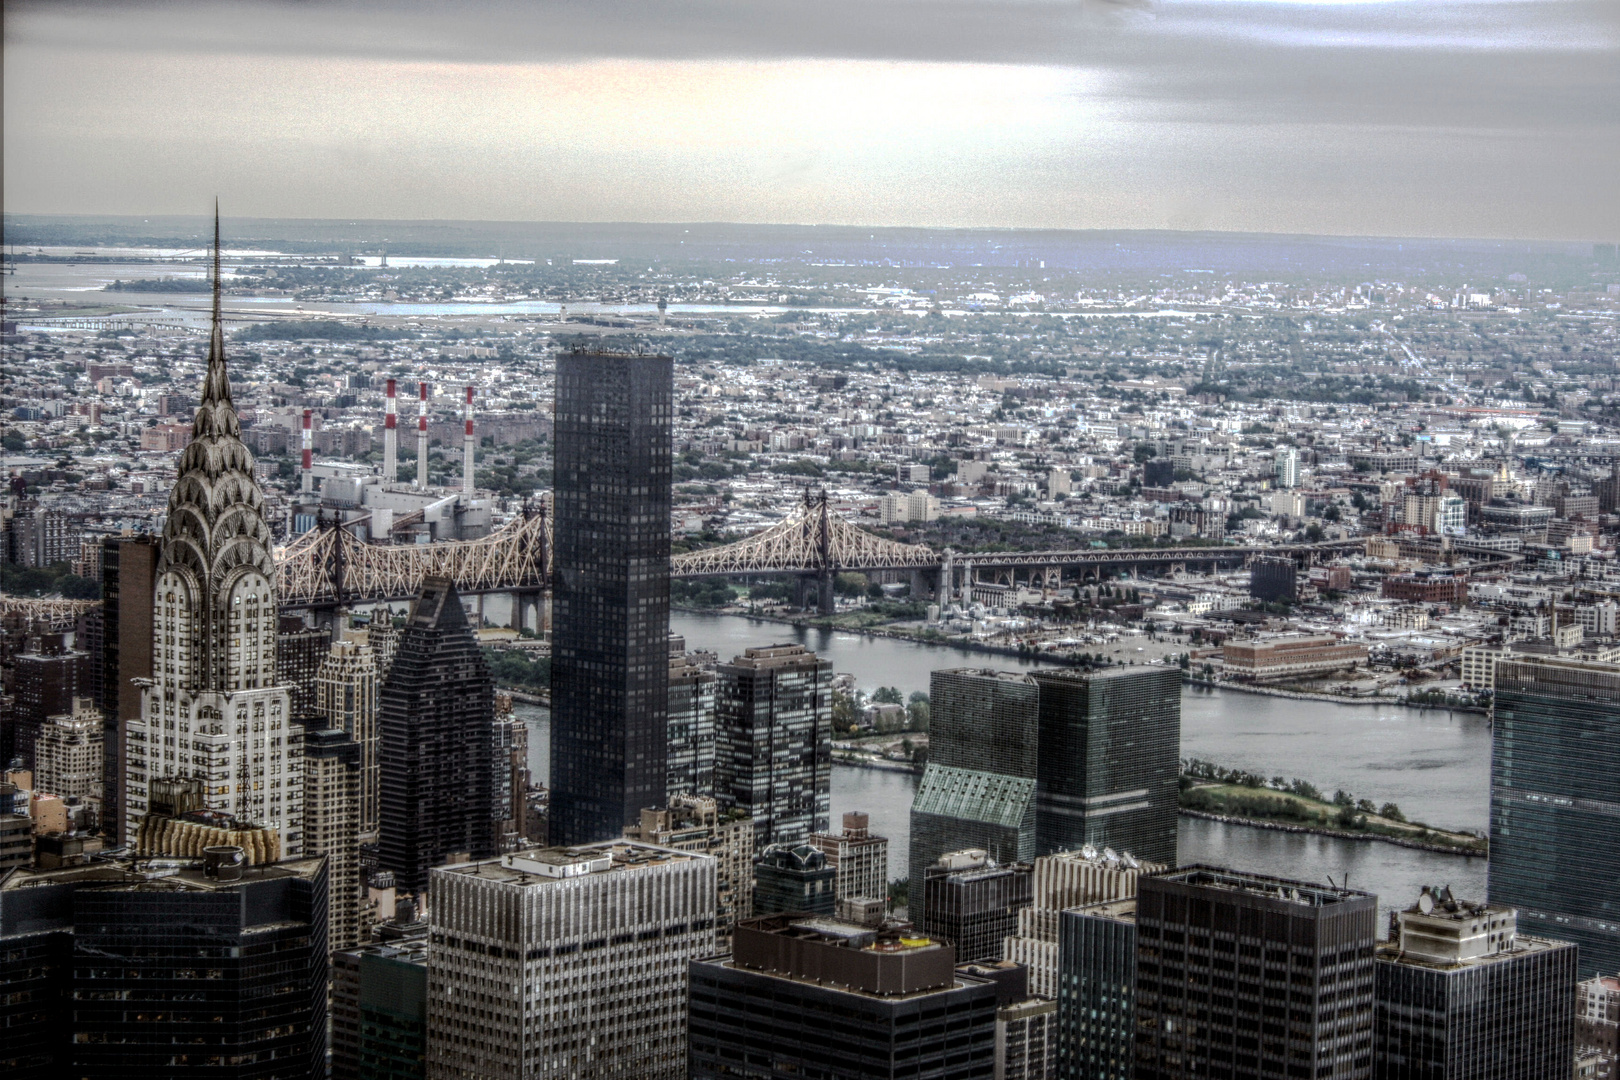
[[1494, 118]]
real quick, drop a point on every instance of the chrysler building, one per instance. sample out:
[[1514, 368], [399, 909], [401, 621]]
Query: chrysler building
[[212, 710]]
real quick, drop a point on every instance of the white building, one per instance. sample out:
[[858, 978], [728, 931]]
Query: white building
[[566, 962], [1286, 468], [67, 754], [212, 710], [346, 697]]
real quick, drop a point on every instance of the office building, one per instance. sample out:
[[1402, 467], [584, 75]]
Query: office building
[[696, 823], [332, 826], [1096, 992], [509, 773], [978, 788], [300, 651], [590, 945], [1061, 881], [128, 584], [46, 676], [1461, 994], [1026, 1026], [793, 878], [792, 983], [970, 902], [379, 1008], [691, 734], [109, 970], [1274, 580], [773, 747], [68, 754], [1301, 996], [435, 720], [1110, 744], [1555, 755], [1597, 1019], [1291, 656], [346, 685], [859, 860], [610, 604], [213, 709]]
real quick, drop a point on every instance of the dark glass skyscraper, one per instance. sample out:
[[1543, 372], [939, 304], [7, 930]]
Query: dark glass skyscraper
[[1097, 991], [128, 577], [773, 741], [436, 723], [1555, 803], [610, 614], [1242, 975], [1109, 761]]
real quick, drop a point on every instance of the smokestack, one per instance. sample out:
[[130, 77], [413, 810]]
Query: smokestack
[[467, 451], [421, 436], [308, 483], [390, 439]]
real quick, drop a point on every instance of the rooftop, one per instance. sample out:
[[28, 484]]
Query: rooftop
[[1273, 888], [541, 866]]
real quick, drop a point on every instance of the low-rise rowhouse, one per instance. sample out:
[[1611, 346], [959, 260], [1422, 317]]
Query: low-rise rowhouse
[[1263, 659]]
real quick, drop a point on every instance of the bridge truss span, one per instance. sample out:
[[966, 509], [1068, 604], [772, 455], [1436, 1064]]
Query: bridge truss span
[[810, 540]]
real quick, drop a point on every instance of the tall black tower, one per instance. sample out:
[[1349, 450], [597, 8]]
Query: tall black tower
[[435, 729], [610, 615]]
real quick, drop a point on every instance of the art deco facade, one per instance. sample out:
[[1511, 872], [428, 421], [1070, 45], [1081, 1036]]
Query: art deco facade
[[1555, 802], [588, 948], [346, 685], [773, 754], [610, 613], [436, 717], [213, 708], [68, 754]]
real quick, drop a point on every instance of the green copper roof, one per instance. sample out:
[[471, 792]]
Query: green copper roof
[[972, 795]]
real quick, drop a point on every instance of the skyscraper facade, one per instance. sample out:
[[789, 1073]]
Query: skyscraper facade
[[346, 698], [300, 651], [1461, 994], [970, 902], [773, 754], [610, 621], [436, 717], [332, 826], [128, 584], [213, 708], [589, 947], [860, 859], [110, 971], [696, 823], [1555, 757], [1242, 975], [1110, 759], [68, 754], [46, 678], [691, 743], [793, 878], [1096, 991]]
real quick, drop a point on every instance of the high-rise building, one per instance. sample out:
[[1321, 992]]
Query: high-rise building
[[346, 686], [1462, 994], [773, 752], [436, 714], [1274, 579], [128, 584], [47, 676], [383, 637], [68, 754], [1109, 763], [691, 744], [1242, 974], [213, 708], [1096, 991], [970, 902], [793, 878], [696, 823], [978, 788], [1597, 1020], [509, 774], [589, 946], [379, 1006], [1554, 758], [1286, 470], [1065, 880], [610, 604], [110, 970], [300, 651], [332, 771], [1026, 1026], [818, 998], [859, 859]]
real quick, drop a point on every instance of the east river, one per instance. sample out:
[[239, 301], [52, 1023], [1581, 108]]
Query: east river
[[1435, 764]]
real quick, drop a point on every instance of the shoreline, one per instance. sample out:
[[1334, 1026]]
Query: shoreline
[[967, 645], [1331, 699], [880, 766], [1339, 834]]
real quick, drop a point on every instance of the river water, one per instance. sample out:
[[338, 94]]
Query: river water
[[1434, 763]]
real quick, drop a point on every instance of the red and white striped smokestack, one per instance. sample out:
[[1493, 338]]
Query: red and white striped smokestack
[[308, 483], [421, 436], [390, 439], [467, 451]]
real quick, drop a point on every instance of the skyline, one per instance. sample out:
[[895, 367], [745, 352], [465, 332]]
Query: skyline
[[1449, 119]]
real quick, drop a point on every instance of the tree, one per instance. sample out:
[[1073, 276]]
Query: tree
[[1366, 806], [1342, 797], [888, 695], [1391, 811], [919, 711], [849, 584], [843, 711]]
